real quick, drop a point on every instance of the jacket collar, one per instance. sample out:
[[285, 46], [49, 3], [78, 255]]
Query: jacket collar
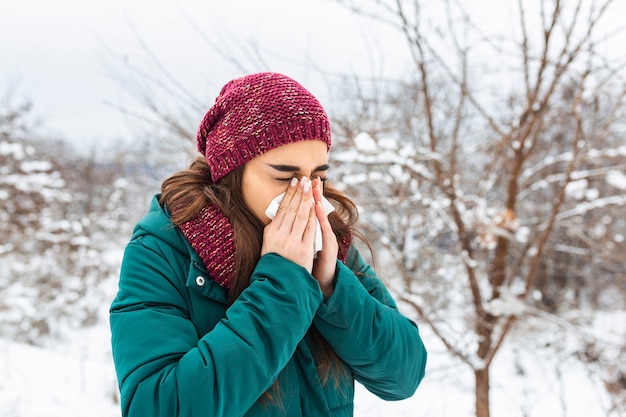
[[158, 223]]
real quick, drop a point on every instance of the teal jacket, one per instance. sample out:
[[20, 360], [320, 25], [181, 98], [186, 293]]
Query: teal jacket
[[179, 350]]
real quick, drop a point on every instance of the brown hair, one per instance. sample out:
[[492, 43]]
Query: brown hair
[[188, 191]]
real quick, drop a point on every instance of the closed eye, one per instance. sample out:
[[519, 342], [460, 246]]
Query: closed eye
[[322, 179]]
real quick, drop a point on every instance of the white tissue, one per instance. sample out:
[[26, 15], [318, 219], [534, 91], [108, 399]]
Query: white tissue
[[328, 208]]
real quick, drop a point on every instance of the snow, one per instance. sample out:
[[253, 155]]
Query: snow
[[616, 179], [14, 149], [68, 382], [576, 189], [34, 166], [363, 142], [506, 305], [529, 378]]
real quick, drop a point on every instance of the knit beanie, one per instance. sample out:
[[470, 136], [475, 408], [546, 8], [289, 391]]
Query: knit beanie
[[257, 113]]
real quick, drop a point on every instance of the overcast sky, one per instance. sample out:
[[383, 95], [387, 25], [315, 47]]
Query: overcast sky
[[57, 53]]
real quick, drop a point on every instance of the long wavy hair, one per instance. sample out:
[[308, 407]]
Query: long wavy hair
[[192, 189]]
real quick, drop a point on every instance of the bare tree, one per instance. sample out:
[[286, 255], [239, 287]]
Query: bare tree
[[498, 171]]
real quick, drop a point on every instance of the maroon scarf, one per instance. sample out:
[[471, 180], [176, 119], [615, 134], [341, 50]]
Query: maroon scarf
[[212, 236]]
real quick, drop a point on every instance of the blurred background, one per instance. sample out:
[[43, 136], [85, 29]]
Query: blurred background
[[484, 142]]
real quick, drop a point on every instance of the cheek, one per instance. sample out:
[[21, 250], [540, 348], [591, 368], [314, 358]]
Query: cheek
[[258, 196]]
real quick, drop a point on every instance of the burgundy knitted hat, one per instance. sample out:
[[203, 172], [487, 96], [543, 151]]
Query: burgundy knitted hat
[[257, 113]]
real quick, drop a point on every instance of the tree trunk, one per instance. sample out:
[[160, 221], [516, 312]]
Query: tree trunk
[[482, 392]]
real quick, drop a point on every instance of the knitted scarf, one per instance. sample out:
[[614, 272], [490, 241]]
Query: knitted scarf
[[212, 236]]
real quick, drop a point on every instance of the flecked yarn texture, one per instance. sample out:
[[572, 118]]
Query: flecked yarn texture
[[212, 236], [257, 113]]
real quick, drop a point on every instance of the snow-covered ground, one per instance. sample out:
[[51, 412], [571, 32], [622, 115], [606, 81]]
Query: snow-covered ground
[[76, 378]]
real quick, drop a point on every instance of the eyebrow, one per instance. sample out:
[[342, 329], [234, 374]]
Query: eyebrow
[[293, 168]]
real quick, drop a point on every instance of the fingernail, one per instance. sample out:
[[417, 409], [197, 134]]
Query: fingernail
[[306, 184], [294, 181]]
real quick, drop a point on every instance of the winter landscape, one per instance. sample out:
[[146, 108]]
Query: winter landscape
[[491, 184], [59, 278]]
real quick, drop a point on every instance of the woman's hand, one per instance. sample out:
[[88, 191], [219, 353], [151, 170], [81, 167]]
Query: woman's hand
[[292, 231], [326, 262]]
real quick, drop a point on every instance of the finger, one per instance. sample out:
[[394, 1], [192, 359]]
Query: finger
[[320, 212], [283, 207], [317, 190], [308, 237], [303, 212], [329, 239], [319, 206]]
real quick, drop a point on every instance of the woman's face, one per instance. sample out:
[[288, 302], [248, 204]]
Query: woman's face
[[269, 174]]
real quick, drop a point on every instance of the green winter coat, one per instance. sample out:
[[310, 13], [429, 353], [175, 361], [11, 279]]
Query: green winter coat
[[180, 351]]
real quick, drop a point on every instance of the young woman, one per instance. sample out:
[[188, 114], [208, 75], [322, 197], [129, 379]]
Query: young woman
[[222, 311]]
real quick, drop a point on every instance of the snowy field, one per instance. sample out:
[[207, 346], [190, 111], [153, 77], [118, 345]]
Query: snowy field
[[76, 378]]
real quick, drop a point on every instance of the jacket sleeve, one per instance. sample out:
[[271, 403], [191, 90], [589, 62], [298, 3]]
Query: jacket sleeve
[[165, 368], [360, 321]]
